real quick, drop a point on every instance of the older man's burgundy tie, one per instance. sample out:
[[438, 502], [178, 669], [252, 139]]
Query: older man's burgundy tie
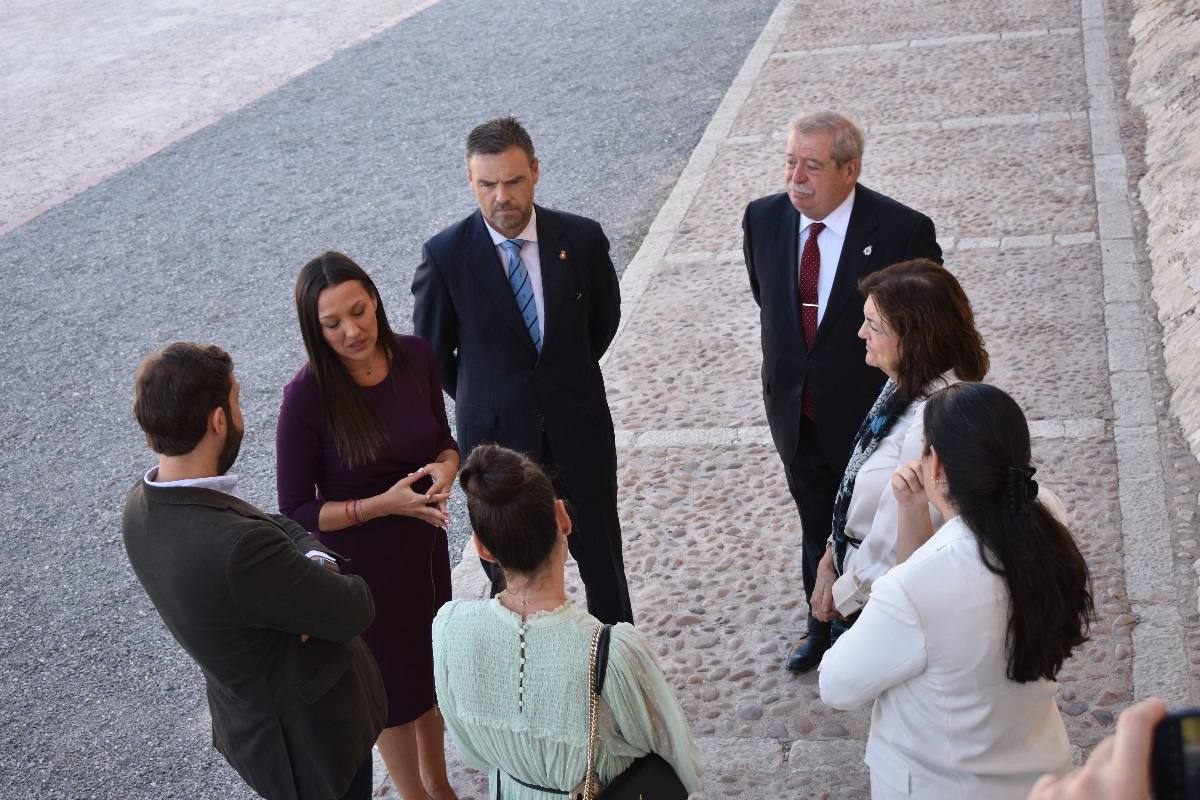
[[810, 271]]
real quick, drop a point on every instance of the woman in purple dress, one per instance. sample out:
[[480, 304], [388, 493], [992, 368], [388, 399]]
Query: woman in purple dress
[[365, 461]]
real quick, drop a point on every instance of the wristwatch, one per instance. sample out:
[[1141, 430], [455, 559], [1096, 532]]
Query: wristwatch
[[323, 558]]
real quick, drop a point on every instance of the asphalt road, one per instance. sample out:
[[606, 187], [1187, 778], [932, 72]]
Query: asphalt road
[[202, 241]]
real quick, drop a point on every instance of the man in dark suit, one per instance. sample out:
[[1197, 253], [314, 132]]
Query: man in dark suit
[[296, 698], [519, 303], [805, 251]]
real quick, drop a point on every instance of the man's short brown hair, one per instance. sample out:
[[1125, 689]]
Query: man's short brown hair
[[176, 389], [495, 136]]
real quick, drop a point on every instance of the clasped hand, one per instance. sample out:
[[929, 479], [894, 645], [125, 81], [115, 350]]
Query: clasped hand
[[429, 507], [822, 605]]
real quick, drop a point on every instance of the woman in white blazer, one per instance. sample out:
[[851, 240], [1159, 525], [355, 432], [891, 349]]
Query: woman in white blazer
[[960, 644]]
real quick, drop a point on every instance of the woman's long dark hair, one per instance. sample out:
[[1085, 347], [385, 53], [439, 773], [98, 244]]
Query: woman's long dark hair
[[511, 504], [357, 430], [982, 439]]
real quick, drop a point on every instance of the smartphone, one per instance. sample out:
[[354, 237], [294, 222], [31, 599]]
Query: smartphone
[[1175, 757]]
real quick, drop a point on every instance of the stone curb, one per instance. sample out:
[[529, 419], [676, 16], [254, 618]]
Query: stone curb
[[1159, 659], [641, 268], [1165, 35]]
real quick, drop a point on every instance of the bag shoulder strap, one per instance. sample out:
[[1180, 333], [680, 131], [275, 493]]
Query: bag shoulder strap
[[601, 658], [597, 668]]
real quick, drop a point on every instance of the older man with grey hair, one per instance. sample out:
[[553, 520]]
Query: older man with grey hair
[[806, 250]]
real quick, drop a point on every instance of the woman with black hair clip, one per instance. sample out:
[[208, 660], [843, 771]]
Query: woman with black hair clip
[[960, 644]]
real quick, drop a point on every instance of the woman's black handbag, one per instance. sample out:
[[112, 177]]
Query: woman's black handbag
[[649, 777]]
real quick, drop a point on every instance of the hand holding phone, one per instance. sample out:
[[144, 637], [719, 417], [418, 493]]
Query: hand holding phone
[[1175, 757], [1119, 768]]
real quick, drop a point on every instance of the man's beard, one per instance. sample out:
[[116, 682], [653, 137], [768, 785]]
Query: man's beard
[[233, 443]]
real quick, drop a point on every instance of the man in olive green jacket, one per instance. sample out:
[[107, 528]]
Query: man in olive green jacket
[[296, 698]]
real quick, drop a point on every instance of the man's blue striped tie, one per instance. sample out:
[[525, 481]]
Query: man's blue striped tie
[[522, 289]]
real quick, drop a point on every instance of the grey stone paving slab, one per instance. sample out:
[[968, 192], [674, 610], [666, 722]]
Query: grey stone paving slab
[[830, 764], [972, 183], [1122, 281], [911, 85], [1099, 675], [1002, 181], [711, 548], [1041, 313], [1165, 673], [705, 327], [858, 21]]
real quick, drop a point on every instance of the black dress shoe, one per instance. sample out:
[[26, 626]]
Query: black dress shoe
[[807, 654]]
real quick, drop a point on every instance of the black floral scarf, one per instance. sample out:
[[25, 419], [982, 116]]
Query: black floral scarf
[[889, 406]]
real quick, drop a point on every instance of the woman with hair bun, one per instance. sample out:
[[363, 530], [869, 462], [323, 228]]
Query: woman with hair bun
[[512, 672], [960, 644]]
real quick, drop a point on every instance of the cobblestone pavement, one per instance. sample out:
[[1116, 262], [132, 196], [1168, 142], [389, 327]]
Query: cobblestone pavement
[[1005, 122]]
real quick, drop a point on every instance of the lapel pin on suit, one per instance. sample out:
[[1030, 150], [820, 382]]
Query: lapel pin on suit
[[562, 255], [867, 250]]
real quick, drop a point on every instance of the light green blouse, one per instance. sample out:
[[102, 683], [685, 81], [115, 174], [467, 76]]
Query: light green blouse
[[477, 660]]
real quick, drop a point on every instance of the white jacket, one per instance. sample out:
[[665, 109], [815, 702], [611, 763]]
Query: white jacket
[[873, 512], [929, 649]]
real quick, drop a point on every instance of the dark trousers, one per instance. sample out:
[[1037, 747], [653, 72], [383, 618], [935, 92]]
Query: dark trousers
[[360, 787], [595, 544], [813, 483]]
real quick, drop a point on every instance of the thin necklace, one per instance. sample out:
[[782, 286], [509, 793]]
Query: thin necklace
[[371, 365], [369, 370]]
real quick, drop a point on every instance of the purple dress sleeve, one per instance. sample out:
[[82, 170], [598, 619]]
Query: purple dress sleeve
[[298, 452], [436, 401]]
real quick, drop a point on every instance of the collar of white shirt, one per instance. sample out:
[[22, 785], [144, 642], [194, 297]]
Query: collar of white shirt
[[837, 220], [529, 234], [227, 484]]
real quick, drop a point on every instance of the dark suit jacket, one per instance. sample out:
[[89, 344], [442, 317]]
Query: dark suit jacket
[[843, 386], [504, 392], [296, 720]]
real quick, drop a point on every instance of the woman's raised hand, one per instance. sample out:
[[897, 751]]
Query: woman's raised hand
[[908, 485], [404, 502], [443, 478]]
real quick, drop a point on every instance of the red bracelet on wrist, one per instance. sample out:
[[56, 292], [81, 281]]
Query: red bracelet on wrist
[[351, 511]]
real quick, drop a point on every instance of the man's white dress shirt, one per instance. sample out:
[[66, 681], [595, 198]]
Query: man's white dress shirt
[[829, 242], [531, 258]]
